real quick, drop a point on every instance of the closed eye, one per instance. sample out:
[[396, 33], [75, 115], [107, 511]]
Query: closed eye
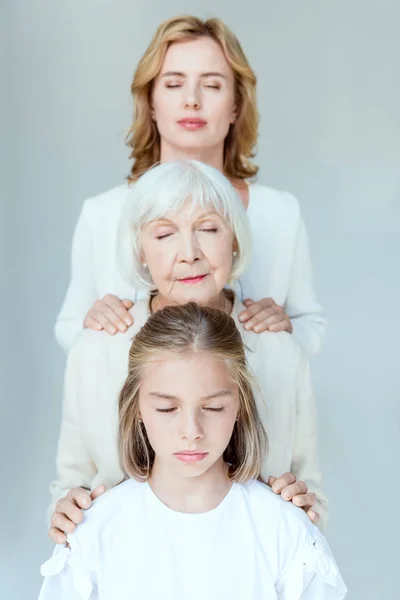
[[162, 237], [214, 409], [210, 230], [166, 410]]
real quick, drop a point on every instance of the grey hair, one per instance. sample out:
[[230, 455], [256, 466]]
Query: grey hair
[[163, 190]]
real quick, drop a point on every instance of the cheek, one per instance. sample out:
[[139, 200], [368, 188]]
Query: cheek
[[219, 252]]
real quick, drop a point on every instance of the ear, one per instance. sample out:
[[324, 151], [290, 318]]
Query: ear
[[235, 245]]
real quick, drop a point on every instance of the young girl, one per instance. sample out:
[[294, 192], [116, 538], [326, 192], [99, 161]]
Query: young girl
[[191, 521]]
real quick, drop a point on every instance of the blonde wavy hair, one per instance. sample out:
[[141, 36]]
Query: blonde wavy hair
[[181, 330], [143, 137]]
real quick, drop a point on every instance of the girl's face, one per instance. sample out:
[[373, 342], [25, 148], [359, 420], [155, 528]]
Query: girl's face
[[189, 255], [188, 405], [193, 99]]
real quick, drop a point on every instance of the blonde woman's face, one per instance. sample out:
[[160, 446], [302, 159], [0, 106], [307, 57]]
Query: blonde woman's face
[[189, 255], [188, 406], [193, 98]]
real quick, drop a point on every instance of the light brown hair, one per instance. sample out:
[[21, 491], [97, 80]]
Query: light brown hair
[[179, 330], [240, 142]]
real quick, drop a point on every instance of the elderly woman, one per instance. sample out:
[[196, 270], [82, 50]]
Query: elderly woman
[[187, 231], [195, 97]]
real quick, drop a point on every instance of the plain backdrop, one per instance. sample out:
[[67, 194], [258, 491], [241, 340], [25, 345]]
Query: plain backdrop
[[329, 96]]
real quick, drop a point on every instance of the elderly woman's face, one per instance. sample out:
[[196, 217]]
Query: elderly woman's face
[[189, 255]]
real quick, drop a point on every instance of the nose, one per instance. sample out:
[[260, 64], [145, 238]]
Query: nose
[[189, 250], [192, 99], [191, 427]]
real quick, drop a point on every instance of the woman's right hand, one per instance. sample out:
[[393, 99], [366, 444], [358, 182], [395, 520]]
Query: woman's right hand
[[110, 313], [68, 512]]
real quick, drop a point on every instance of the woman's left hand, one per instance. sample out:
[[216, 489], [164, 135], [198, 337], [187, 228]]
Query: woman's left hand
[[264, 315], [296, 492]]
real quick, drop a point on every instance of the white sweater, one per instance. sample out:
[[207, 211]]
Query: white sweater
[[280, 267], [96, 370], [252, 546]]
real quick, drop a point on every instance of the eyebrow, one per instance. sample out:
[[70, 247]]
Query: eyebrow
[[219, 394], [180, 74], [205, 215]]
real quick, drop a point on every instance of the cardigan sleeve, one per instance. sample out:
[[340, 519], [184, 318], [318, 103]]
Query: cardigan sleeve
[[82, 291], [308, 321], [75, 466], [305, 448]]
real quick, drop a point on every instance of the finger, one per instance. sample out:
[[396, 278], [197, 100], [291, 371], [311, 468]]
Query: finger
[[98, 491], [271, 480], [91, 323], [62, 523], [295, 489], [282, 482], [283, 325], [120, 310], [260, 327], [115, 313], [248, 302], [313, 516], [255, 308], [105, 317], [67, 508], [263, 316], [304, 500], [80, 498], [57, 536]]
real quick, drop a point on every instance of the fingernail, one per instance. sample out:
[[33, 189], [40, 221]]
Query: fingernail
[[276, 488], [286, 495], [242, 318], [122, 328], [113, 330]]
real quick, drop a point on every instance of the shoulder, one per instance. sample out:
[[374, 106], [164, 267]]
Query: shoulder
[[279, 347], [107, 508], [274, 514], [93, 347], [268, 200], [107, 203]]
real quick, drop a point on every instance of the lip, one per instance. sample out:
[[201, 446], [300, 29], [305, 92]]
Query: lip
[[193, 280], [191, 456], [192, 123]]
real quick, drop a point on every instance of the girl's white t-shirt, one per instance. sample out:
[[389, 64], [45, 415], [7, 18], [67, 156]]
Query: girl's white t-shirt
[[253, 546]]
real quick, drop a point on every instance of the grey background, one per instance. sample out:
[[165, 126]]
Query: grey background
[[329, 95]]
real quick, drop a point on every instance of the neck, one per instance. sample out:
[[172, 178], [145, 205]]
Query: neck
[[191, 494], [223, 301], [210, 156]]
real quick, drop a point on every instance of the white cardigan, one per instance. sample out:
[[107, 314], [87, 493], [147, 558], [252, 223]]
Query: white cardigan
[[96, 370], [280, 267]]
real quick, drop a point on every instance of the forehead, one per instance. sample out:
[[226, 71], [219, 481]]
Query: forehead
[[201, 55], [193, 375], [190, 212]]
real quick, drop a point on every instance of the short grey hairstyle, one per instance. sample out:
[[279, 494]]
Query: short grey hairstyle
[[162, 191]]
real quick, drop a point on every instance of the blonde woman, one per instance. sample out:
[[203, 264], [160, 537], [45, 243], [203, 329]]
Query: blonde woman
[[195, 98], [191, 521], [184, 236]]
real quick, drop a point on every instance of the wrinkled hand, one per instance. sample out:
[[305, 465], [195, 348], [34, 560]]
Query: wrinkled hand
[[296, 492], [264, 315], [110, 313], [68, 512]]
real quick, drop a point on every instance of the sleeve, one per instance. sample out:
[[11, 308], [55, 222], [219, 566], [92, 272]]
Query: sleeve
[[313, 574], [75, 466], [66, 577], [301, 304], [82, 291], [305, 448]]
